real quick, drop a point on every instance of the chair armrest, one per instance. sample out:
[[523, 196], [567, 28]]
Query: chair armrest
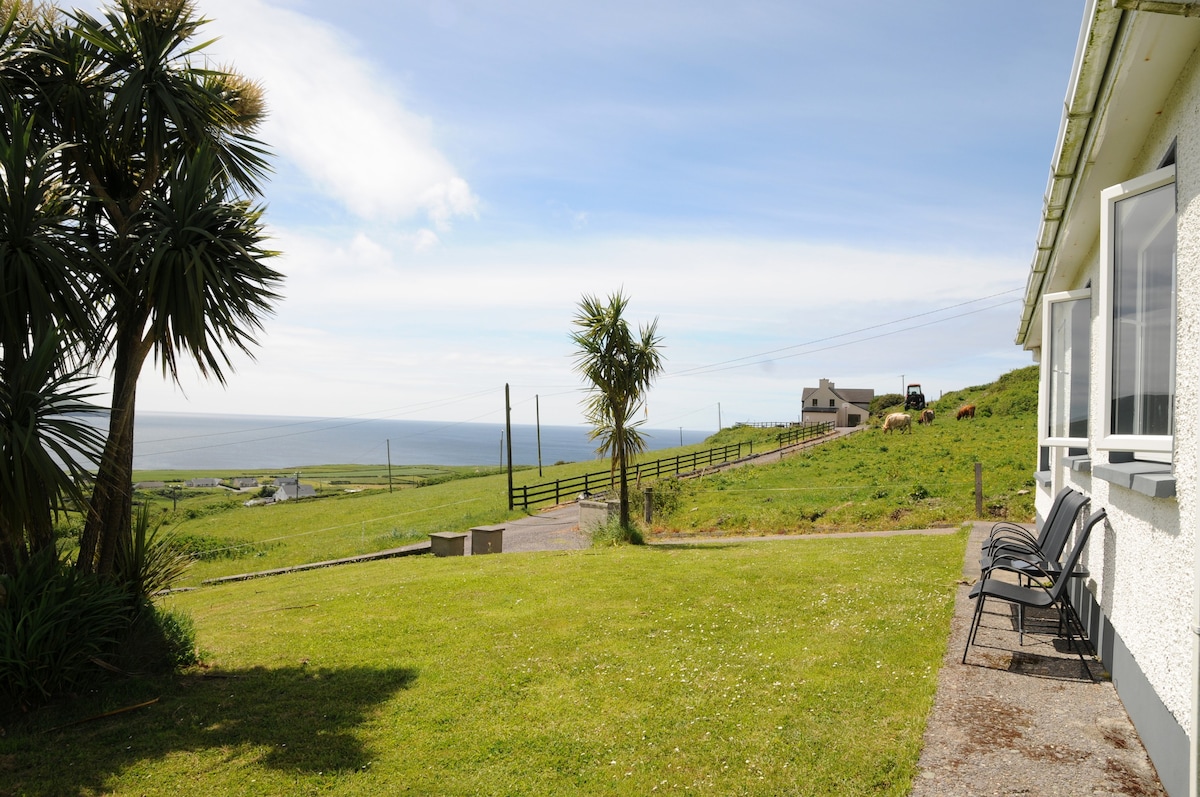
[[1015, 547], [999, 532]]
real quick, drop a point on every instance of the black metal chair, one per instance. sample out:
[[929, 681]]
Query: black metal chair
[[1008, 540], [1038, 595]]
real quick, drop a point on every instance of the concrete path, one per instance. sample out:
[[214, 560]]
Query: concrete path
[[554, 529], [1024, 719]]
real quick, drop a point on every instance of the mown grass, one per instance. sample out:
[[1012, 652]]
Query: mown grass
[[771, 668], [234, 538]]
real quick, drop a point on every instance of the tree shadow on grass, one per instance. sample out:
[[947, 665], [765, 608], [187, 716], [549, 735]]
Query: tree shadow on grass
[[294, 719]]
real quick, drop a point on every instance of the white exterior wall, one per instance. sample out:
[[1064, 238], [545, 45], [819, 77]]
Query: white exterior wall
[[1143, 564]]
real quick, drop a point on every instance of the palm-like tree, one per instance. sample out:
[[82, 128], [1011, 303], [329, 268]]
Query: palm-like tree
[[162, 151], [45, 317], [45, 443], [619, 367]]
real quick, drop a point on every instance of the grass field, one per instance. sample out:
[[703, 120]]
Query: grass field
[[802, 667], [787, 667], [869, 480], [866, 481]]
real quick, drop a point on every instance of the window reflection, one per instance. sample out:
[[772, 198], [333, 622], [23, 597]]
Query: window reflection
[[1144, 314]]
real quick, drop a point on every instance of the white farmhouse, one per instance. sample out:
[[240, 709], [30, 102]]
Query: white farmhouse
[[844, 406], [1112, 313]]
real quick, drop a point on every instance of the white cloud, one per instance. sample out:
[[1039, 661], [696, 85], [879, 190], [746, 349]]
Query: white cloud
[[366, 327], [337, 116]]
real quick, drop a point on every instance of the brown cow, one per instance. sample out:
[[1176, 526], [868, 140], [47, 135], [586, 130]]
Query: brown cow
[[898, 421], [965, 411], [926, 417]]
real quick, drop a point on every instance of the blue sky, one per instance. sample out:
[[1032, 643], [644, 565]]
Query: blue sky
[[775, 182]]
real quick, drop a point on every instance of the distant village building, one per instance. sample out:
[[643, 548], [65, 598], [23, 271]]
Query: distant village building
[[845, 406], [242, 482], [206, 482], [149, 485], [287, 489]]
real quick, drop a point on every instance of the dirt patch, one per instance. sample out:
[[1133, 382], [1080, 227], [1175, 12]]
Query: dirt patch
[[988, 724], [1129, 782]]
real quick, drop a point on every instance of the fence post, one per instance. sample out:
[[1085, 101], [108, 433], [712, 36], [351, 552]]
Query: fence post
[[649, 504], [979, 489]]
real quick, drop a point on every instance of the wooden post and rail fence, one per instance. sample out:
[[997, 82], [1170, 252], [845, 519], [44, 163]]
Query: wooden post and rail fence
[[528, 495]]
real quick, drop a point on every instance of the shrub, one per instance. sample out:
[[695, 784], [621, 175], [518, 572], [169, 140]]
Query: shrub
[[885, 401], [150, 561], [53, 623], [159, 640], [613, 533], [666, 496]]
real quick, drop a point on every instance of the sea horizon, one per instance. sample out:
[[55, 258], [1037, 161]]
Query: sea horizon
[[215, 441]]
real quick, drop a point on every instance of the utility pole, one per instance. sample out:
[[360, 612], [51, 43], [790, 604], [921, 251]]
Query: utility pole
[[508, 429], [537, 417], [718, 416], [389, 453]]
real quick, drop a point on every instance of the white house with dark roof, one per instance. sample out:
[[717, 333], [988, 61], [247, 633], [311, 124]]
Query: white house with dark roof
[[289, 488], [845, 406], [1112, 314]]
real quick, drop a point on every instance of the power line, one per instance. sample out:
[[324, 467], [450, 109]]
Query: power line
[[729, 365]]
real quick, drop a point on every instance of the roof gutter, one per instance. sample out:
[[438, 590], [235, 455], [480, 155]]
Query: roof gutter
[[1179, 9], [1076, 132]]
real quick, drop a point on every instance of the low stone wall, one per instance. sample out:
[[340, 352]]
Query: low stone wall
[[595, 513]]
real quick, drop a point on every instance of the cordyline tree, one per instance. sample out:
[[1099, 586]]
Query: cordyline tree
[[45, 316], [156, 151], [619, 368]]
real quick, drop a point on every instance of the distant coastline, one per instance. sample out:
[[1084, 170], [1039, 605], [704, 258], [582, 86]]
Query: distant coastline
[[195, 441]]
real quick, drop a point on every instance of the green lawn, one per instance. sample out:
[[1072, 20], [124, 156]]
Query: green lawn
[[343, 520], [801, 667]]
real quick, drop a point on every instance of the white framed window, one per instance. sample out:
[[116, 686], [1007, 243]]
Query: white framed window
[[1067, 362], [1137, 308]]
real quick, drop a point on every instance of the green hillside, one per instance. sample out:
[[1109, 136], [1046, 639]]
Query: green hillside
[[877, 480]]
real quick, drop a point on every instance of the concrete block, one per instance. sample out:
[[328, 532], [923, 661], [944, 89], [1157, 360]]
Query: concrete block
[[595, 513], [447, 543], [487, 539]]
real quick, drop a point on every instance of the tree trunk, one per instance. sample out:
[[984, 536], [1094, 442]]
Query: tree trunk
[[110, 511], [619, 452]]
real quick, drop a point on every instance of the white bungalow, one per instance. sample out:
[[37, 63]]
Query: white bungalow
[[1112, 313], [204, 482], [287, 489]]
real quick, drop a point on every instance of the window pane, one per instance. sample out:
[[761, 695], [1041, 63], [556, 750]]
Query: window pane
[[1144, 313], [1070, 361]]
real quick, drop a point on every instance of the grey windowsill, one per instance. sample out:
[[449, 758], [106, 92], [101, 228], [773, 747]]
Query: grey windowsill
[[1154, 479], [1043, 477], [1079, 464]]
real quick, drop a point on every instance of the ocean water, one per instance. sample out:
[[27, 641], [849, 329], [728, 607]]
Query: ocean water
[[187, 441]]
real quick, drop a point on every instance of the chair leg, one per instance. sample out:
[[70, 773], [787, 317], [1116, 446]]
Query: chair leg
[[974, 625], [1021, 613]]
